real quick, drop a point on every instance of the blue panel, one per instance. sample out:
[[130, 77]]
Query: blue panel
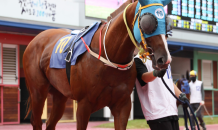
[[58, 54], [192, 45], [25, 25]]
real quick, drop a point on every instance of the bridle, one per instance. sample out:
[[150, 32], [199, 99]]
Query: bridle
[[107, 61], [149, 51]]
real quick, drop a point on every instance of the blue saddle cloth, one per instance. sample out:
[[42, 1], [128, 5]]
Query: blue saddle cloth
[[58, 55]]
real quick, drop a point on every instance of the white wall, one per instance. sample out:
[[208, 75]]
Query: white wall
[[69, 14], [10, 11], [194, 37], [179, 66]]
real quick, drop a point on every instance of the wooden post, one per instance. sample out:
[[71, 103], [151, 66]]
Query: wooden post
[[44, 113], [215, 74], [199, 70]]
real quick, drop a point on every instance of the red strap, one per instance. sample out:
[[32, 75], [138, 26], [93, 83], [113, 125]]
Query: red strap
[[85, 44], [122, 66], [99, 55]]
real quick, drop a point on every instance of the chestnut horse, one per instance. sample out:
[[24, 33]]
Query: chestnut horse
[[92, 84], [179, 84]]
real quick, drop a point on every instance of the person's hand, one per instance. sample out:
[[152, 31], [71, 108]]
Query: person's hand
[[159, 73], [202, 103], [183, 97]]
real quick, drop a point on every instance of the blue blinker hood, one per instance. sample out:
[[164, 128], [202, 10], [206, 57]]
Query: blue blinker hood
[[157, 11]]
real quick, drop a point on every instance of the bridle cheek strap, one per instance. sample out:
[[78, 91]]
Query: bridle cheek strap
[[141, 50]]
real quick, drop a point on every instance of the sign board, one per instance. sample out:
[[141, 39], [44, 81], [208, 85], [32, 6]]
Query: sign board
[[64, 12], [198, 15], [103, 8]]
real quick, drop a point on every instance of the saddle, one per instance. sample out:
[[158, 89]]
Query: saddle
[[70, 48]]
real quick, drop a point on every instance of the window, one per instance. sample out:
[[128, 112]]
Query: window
[[179, 67], [207, 73], [10, 69]]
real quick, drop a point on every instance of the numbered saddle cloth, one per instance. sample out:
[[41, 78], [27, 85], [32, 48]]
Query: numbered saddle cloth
[[58, 55]]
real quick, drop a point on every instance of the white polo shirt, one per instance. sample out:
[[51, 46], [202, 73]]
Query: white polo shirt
[[156, 101], [195, 89]]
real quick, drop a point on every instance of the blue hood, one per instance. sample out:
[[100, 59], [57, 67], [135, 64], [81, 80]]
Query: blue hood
[[157, 11]]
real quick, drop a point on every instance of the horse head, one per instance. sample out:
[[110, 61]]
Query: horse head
[[150, 28]]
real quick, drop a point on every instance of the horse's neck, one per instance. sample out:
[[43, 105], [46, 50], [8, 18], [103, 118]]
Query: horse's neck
[[120, 9], [119, 47]]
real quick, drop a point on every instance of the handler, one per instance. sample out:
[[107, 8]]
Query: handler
[[196, 98], [158, 105]]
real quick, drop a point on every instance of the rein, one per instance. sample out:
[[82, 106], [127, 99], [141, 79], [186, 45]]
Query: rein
[[205, 110], [142, 52], [185, 111], [107, 61], [128, 29]]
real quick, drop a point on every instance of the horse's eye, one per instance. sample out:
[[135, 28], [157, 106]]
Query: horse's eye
[[148, 23]]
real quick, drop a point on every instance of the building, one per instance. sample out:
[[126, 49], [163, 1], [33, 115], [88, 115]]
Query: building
[[20, 22]]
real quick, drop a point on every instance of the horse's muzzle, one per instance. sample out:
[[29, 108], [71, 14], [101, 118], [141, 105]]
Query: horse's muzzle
[[161, 63]]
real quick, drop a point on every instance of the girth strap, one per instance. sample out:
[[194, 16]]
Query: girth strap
[[68, 69], [70, 49]]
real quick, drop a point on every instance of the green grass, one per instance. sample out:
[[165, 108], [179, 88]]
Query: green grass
[[98, 12], [141, 123]]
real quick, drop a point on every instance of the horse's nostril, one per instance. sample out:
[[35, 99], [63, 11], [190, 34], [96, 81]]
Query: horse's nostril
[[160, 61]]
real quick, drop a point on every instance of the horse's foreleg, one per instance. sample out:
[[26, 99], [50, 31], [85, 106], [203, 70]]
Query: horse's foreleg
[[83, 114], [58, 108], [121, 113]]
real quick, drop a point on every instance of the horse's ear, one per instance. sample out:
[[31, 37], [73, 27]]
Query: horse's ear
[[144, 2], [165, 2], [169, 23], [187, 75]]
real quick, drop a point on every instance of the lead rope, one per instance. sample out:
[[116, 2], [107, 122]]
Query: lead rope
[[208, 112], [205, 110], [184, 109]]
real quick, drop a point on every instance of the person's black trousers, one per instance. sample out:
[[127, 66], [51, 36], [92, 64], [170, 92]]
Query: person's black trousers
[[165, 125], [199, 113]]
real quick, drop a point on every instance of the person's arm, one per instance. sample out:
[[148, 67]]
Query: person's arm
[[141, 69], [148, 77], [143, 75], [202, 94], [177, 91]]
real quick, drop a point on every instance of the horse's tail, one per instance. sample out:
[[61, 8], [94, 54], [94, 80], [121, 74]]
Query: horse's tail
[[29, 108], [28, 103]]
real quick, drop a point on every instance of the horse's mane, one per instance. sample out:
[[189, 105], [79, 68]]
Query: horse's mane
[[120, 9]]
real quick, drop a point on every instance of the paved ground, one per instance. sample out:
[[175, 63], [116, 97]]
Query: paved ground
[[72, 126]]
